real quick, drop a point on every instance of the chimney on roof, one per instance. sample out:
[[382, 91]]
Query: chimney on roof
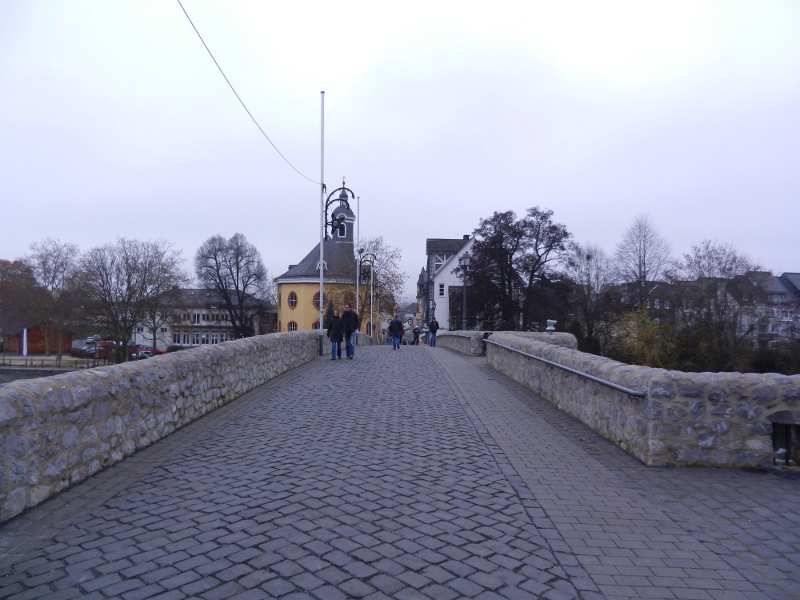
[[466, 237]]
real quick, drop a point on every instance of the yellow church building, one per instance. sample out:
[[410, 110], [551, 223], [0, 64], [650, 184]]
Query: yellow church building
[[298, 287]]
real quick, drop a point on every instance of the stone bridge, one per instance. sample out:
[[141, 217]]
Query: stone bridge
[[415, 473]]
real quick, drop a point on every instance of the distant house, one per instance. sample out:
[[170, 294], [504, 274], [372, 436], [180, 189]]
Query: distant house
[[442, 295], [410, 312], [766, 306], [198, 317], [776, 308]]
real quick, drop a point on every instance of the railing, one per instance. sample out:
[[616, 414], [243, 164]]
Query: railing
[[631, 393]]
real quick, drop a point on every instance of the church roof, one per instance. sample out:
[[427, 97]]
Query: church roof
[[339, 259]]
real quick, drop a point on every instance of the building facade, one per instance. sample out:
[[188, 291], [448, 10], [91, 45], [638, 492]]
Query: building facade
[[198, 317], [440, 288], [298, 287], [765, 307]]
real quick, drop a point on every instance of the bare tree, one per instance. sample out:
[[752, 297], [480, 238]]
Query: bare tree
[[55, 266], [643, 257], [711, 292], [387, 271], [234, 270], [120, 280], [592, 273], [162, 310], [714, 259]]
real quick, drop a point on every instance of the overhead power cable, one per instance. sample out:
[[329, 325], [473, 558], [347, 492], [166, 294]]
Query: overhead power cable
[[244, 106]]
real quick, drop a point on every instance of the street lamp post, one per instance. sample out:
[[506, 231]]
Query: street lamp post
[[380, 329], [367, 259], [380, 293], [358, 280], [335, 220], [463, 262]]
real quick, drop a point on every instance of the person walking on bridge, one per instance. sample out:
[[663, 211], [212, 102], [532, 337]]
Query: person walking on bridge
[[351, 325], [336, 335], [396, 329], [433, 327]]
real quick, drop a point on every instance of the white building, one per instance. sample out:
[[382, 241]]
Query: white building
[[445, 287], [197, 317]]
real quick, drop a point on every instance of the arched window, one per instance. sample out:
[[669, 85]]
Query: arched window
[[292, 326], [350, 298], [316, 300], [342, 230], [292, 302]]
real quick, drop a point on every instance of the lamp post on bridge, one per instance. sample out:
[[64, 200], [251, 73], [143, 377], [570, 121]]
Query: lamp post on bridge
[[380, 294], [336, 219], [463, 262], [367, 260]]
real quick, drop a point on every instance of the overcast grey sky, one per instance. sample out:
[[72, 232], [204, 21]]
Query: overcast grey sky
[[115, 122]]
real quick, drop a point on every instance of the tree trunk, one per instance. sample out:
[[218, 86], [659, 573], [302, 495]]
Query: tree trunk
[[122, 352], [60, 344]]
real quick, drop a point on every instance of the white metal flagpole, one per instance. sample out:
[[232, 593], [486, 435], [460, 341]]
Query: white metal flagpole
[[321, 213]]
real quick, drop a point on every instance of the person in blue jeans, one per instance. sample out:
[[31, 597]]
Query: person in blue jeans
[[351, 325], [336, 335], [396, 329], [433, 327]]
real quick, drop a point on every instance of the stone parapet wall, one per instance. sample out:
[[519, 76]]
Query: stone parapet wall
[[465, 342], [56, 431], [557, 338], [714, 419], [471, 342]]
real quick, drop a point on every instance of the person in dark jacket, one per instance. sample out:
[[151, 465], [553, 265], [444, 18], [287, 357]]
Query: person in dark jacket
[[433, 326], [336, 335], [351, 325], [416, 335], [396, 329]]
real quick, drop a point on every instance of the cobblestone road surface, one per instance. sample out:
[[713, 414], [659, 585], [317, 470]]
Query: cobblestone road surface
[[415, 473]]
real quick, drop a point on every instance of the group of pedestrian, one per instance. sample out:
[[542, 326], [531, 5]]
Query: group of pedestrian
[[397, 329], [343, 329]]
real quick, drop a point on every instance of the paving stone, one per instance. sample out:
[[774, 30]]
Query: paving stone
[[141, 593], [602, 491], [459, 483]]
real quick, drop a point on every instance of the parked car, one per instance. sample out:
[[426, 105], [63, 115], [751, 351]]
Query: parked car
[[152, 352], [84, 352]]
